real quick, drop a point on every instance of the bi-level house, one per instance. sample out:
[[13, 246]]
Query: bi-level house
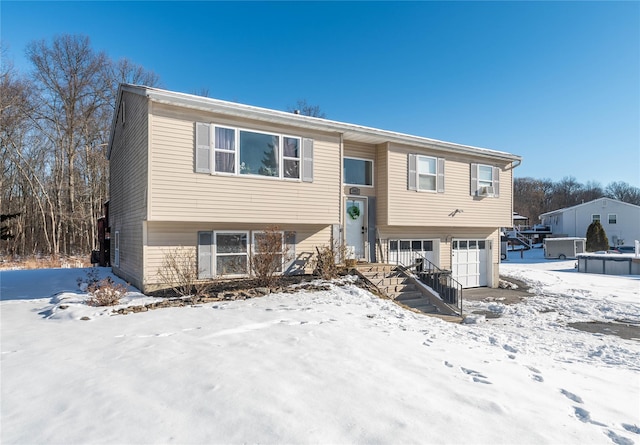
[[210, 176]]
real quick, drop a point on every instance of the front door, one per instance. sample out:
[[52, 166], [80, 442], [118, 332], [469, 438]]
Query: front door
[[355, 228]]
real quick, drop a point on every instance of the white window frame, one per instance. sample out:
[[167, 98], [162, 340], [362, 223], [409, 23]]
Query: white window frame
[[413, 173], [215, 150], [116, 248], [434, 175], [290, 158], [613, 220], [372, 171], [214, 253], [237, 151], [595, 217], [484, 183], [483, 187]]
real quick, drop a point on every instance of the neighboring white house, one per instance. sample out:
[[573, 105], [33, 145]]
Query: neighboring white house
[[620, 220]]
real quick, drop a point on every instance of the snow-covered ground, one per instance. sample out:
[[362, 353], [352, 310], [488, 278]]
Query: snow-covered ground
[[337, 366]]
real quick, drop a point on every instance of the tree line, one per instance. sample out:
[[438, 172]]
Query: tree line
[[533, 197], [54, 130]]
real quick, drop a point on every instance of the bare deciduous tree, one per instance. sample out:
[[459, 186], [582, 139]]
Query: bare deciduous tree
[[53, 136], [307, 109]]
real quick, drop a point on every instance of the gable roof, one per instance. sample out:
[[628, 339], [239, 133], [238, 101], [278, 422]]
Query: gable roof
[[351, 132], [588, 204]]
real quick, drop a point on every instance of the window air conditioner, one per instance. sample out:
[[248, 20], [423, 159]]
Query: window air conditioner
[[486, 191]]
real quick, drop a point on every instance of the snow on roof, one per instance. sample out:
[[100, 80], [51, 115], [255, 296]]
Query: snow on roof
[[587, 204]]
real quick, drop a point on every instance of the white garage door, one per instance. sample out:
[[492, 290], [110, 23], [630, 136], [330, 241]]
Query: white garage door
[[469, 262]]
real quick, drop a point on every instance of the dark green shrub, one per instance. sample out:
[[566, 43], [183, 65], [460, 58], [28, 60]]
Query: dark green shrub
[[596, 237]]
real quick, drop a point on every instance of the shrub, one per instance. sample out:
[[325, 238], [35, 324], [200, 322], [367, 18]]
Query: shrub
[[179, 271], [325, 263], [270, 255], [596, 237], [105, 292], [91, 279]]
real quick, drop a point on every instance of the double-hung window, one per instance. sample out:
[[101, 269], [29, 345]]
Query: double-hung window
[[358, 172], [291, 152], [426, 173], [613, 218], [226, 252], [224, 150], [595, 217], [234, 151], [485, 180], [231, 252]]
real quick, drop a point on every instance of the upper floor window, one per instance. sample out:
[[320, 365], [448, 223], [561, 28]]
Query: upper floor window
[[613, 218], [358, 172], [243, 152], [485, 180], [595, 218], [425, 173]]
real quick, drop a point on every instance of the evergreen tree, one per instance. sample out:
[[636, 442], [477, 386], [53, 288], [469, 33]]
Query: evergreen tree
[[269, 162], [596, 237]]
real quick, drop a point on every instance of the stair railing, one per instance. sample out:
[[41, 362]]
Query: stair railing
[[441, 281]]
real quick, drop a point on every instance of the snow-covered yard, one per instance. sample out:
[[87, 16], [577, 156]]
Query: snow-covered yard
[[337, 366]]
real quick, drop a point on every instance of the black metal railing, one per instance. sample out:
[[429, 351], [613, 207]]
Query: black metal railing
[[441, 281]]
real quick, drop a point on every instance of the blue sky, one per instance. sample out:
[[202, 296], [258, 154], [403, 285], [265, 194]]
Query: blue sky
[[555, 82]]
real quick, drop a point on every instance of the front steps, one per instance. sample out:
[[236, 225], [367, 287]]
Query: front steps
[[395, 285]]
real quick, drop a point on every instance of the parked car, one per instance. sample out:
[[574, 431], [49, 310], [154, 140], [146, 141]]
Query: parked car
[[623, 249]]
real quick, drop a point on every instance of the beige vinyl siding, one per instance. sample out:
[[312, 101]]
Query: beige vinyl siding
[[408, 207], [180, 194], [382, 189], [362, 151], [128, 186], [163, 237]]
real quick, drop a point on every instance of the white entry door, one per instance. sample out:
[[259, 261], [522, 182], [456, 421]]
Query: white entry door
[[355, 228], [469, 262]]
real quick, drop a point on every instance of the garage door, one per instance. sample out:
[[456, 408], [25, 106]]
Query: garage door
[[469, 262]]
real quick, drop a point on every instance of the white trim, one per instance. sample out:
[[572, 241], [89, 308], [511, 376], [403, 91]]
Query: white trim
[[237, 152], [372, 171], [486, 188], [214, 253], [116, 248], [434, 175]]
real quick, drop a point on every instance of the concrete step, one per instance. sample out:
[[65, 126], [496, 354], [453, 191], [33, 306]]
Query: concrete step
[[392, 281], [421, 304], [381, 273], [375, 268], [406, 296], [402, 287]]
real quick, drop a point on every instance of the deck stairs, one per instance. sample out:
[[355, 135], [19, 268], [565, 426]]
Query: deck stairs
[[395, 284], [516, 238]]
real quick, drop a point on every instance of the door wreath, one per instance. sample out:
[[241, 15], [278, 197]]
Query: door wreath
[[354, 212]]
